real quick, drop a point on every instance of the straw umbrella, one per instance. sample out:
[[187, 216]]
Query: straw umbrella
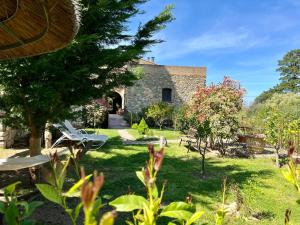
[[33, 27]]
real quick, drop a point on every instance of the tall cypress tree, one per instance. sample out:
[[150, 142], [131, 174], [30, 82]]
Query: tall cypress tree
[[44, 88]]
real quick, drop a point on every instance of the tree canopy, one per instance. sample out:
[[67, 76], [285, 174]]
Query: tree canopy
[[289, 69], [45, 88]]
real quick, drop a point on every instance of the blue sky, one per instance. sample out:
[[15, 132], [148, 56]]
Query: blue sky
[[240, 38]]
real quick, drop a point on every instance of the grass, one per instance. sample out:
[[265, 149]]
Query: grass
[[262, 186], [168, 134]]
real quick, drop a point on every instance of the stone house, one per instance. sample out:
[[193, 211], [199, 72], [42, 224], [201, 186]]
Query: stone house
[[172, 84]]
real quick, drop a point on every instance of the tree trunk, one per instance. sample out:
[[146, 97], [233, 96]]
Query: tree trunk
[[35, 141], [48, 135], [277, 157]]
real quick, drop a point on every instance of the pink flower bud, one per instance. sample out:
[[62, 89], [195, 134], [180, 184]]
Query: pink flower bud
[[158, 159]]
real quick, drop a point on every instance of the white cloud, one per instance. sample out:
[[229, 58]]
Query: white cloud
[[217, 40], [211, 41]]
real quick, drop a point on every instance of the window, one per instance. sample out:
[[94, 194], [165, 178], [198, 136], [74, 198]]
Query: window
[[166, 94]]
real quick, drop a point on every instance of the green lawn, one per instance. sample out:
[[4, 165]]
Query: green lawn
[[262, 186], [168, 134]]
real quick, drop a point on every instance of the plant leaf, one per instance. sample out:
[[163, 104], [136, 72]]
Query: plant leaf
[[11, 214], [179, 210], [107, 219], [76, 186], [196, 216], [50, 193], [2, 207], [33, 206], [8, 190], [128, 203], [140, 175]]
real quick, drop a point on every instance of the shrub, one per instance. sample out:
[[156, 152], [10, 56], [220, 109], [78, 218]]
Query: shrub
[[142, 127], [96, 114], [180, 121], [160, 112]]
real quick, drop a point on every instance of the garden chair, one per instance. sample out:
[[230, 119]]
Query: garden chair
[[78, 136], [68, 136], [83, 133]]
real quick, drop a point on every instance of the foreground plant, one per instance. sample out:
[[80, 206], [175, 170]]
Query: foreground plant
[[87, 191], [17, 212], [146, 211]]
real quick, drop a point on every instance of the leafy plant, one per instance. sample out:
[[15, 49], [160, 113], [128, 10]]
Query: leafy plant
[[142, 127], [160, 112], [45, 88], [220, 105], [87, 191], [17, 212], [146, 211]]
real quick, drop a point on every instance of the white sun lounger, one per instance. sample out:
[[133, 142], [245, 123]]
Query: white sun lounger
[[72, 134]]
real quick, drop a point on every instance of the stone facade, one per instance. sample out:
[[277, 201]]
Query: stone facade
[[7, 136], [182, 80]]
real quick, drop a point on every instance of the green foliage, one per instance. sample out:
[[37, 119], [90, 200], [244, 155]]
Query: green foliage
[[142, 127], [160, 112], [147, 211], [96, 114], [45, 88], [17, 212], [285, 108], [289, 68], [87, 191], [292, 174], [219, 105], [180, 121]]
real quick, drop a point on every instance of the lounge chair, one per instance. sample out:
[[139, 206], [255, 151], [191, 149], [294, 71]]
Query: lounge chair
[[68, 136], [84, 134], [80, 136]]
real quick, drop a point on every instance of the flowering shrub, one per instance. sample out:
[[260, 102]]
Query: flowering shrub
[[96, 113], [219, 105]]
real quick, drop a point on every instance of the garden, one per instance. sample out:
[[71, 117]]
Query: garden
[[213, 160]]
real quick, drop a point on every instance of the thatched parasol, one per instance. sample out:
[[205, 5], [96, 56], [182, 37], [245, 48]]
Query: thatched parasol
[[32, 27]]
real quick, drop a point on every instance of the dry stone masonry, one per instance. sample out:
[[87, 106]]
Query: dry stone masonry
[[181, 80]]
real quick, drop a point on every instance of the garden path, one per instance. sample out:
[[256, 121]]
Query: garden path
[[117, 122]]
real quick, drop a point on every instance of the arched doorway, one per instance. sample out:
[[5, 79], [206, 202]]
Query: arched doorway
[[115, 102]]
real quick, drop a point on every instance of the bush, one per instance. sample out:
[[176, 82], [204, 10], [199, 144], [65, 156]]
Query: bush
[[161, 113], [180, 121], [131, 117], [95, 114], [142, 127]]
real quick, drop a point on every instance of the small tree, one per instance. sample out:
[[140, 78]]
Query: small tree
[[274, 131], [202, 136], [160, 112], [220, 105]]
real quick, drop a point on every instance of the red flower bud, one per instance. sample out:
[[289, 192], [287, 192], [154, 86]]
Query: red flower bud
[[151, 149], [90, 190], [147, 176], [158, 159]]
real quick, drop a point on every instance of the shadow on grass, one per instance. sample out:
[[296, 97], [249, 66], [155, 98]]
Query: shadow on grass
[[182, 172], [183, 175]]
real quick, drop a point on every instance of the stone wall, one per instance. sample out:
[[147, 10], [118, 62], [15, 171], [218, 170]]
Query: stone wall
[[7, 136], [182, 80]]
